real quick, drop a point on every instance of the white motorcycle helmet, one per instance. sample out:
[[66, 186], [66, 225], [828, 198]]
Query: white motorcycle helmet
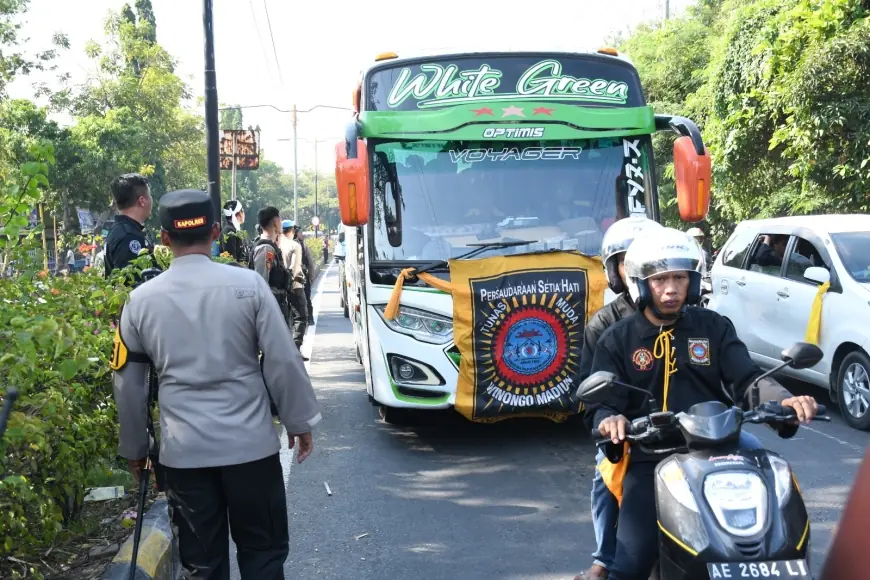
[[617, 239], [657, 252]]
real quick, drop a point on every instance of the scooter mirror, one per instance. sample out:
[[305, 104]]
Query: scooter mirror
[[594, 388], [802, 355]]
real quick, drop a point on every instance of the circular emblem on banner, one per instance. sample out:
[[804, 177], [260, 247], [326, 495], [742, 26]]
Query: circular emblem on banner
[[530, 346]]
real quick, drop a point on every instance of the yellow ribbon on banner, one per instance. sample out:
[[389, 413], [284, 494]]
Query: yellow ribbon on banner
[[392, 309], [814, 326]]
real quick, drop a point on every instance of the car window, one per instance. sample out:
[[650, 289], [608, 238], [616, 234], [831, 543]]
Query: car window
[[768, 253], [735, 251], [804, 255], [854, 251]]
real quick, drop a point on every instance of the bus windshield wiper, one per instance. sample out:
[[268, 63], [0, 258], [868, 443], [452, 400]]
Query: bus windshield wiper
[[478, 249]]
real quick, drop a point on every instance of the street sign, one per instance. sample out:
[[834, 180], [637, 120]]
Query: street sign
[[315, 221], [245, 143]]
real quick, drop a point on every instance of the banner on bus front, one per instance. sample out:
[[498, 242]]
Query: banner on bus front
[[518, 322]]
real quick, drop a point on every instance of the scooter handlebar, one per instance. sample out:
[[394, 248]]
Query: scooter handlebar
[[636, 427], [821, 414], [766, 413]]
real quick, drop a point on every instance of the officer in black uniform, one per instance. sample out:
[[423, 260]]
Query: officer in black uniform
[[231, 240], [681, 354], [127, 238]]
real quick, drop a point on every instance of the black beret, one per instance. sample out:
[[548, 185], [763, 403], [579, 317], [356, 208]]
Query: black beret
[[188, 211]]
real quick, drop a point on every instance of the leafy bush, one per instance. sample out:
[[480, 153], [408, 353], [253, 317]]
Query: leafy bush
[[56, 337], [315, 248]]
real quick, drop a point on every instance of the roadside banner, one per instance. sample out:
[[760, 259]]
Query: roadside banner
[[518, 322]]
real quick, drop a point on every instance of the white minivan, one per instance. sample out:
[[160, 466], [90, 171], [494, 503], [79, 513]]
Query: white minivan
[[765, 281]]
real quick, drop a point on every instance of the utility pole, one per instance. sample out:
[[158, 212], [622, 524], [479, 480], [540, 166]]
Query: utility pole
[[667, 9], [212, 127], [235, 159], [295, 170], [315, 189]]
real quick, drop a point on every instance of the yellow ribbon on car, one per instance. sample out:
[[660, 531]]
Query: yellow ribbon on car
[[814, 326], [392, 309], [613, 474]]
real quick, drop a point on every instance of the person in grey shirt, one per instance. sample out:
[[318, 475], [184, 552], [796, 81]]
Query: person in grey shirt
[[202, 325]]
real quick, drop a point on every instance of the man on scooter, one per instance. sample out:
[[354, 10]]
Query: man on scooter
[[605, 508], [682, 355]]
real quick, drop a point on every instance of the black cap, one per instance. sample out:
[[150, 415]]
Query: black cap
[[188, 212]]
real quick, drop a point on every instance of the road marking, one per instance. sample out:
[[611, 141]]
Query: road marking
[[308, 340], [286, 454], [852, 446]]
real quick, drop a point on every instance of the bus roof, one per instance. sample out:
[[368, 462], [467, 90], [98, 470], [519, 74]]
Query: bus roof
[[423, 54]]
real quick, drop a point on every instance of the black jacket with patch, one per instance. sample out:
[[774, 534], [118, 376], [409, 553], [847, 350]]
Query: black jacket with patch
[[124, 242], [706, 359]]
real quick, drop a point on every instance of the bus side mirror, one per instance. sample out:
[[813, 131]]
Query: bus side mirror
[[693, 174], [352, 182]]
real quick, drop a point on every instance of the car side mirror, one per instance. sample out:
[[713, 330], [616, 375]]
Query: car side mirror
[[595, 387], [802, 355], [818, 275]]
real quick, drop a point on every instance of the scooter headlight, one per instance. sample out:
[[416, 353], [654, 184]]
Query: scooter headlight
[[738, 500], [674, 479], [782, 473]]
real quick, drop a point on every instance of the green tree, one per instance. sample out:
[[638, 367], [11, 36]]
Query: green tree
[[781, 90], [131, 116]]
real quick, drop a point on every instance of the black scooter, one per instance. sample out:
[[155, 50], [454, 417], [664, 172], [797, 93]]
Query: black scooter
[[722, 512]]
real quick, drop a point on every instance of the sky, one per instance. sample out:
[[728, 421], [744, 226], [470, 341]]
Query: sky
[[317, 49]]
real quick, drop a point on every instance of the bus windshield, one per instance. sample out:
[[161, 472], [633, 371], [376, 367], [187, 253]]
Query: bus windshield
[[432, 199]]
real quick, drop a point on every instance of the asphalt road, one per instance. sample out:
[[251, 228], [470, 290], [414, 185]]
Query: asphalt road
[[447, 499]]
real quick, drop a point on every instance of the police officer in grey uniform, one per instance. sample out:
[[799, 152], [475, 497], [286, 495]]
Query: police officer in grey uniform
[[202, 325]]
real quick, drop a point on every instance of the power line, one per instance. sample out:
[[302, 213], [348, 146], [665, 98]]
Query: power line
[[272, 36], [259, 36]]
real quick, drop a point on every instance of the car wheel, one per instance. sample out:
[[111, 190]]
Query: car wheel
[[346, 309], [853, 389]]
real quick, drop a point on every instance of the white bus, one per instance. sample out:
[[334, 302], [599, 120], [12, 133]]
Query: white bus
[[450, 151]]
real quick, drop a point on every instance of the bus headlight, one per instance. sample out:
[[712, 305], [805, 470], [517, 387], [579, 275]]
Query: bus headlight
[[738, 500], [419, 324]]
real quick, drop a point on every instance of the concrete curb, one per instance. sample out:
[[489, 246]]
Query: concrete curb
[[158, 551]]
